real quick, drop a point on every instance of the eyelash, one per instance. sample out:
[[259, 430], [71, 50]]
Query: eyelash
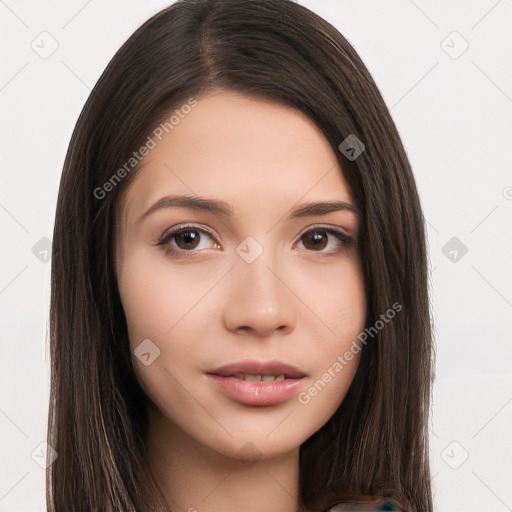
[[168, 235]]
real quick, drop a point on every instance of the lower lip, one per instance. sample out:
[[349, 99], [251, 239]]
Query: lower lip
[[256, 393]]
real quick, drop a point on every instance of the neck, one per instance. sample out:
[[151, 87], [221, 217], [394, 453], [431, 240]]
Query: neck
[[195, 478]]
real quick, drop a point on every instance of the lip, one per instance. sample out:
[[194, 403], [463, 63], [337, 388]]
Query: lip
[[257, 393], [272, 367]]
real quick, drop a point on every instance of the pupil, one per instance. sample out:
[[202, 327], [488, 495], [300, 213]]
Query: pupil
[[189, 237], [316, 238]]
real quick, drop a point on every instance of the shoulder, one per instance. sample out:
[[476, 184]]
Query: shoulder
[[373, 506]]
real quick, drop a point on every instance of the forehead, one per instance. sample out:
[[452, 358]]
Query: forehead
[[245, 151]]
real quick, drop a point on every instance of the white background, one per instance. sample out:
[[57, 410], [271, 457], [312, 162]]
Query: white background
[[455, 119]]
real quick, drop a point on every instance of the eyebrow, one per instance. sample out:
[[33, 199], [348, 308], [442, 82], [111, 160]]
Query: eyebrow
[[224, 209]]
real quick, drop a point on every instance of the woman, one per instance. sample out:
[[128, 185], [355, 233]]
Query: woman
[[239, 310]]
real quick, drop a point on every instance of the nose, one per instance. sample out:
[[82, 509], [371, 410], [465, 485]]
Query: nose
[[260, 301]]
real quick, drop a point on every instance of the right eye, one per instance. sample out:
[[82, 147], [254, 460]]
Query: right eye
[[187, 240]]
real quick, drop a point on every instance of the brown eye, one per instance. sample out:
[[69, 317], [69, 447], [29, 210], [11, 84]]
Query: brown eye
[[187, 239], [318, 239]]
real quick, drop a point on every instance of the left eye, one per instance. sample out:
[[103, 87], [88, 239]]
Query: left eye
[[315, 238], [187, 240]]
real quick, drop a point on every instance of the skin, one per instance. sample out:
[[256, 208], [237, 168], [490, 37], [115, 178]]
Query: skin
[[297, 302]]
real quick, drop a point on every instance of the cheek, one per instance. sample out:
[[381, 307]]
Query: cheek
[[155, 300], [339, 302], [336, 295], [163, 305], [159, 307]]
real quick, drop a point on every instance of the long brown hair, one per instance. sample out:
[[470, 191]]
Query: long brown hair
[[376, 443]]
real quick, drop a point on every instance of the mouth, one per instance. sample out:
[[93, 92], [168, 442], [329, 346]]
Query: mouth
[[257, 371], [258, 378], [257, 383]]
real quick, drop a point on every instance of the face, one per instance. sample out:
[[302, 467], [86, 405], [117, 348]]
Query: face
[[254, 279]]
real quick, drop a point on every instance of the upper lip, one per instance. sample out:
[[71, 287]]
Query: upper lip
[[252, 367]]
